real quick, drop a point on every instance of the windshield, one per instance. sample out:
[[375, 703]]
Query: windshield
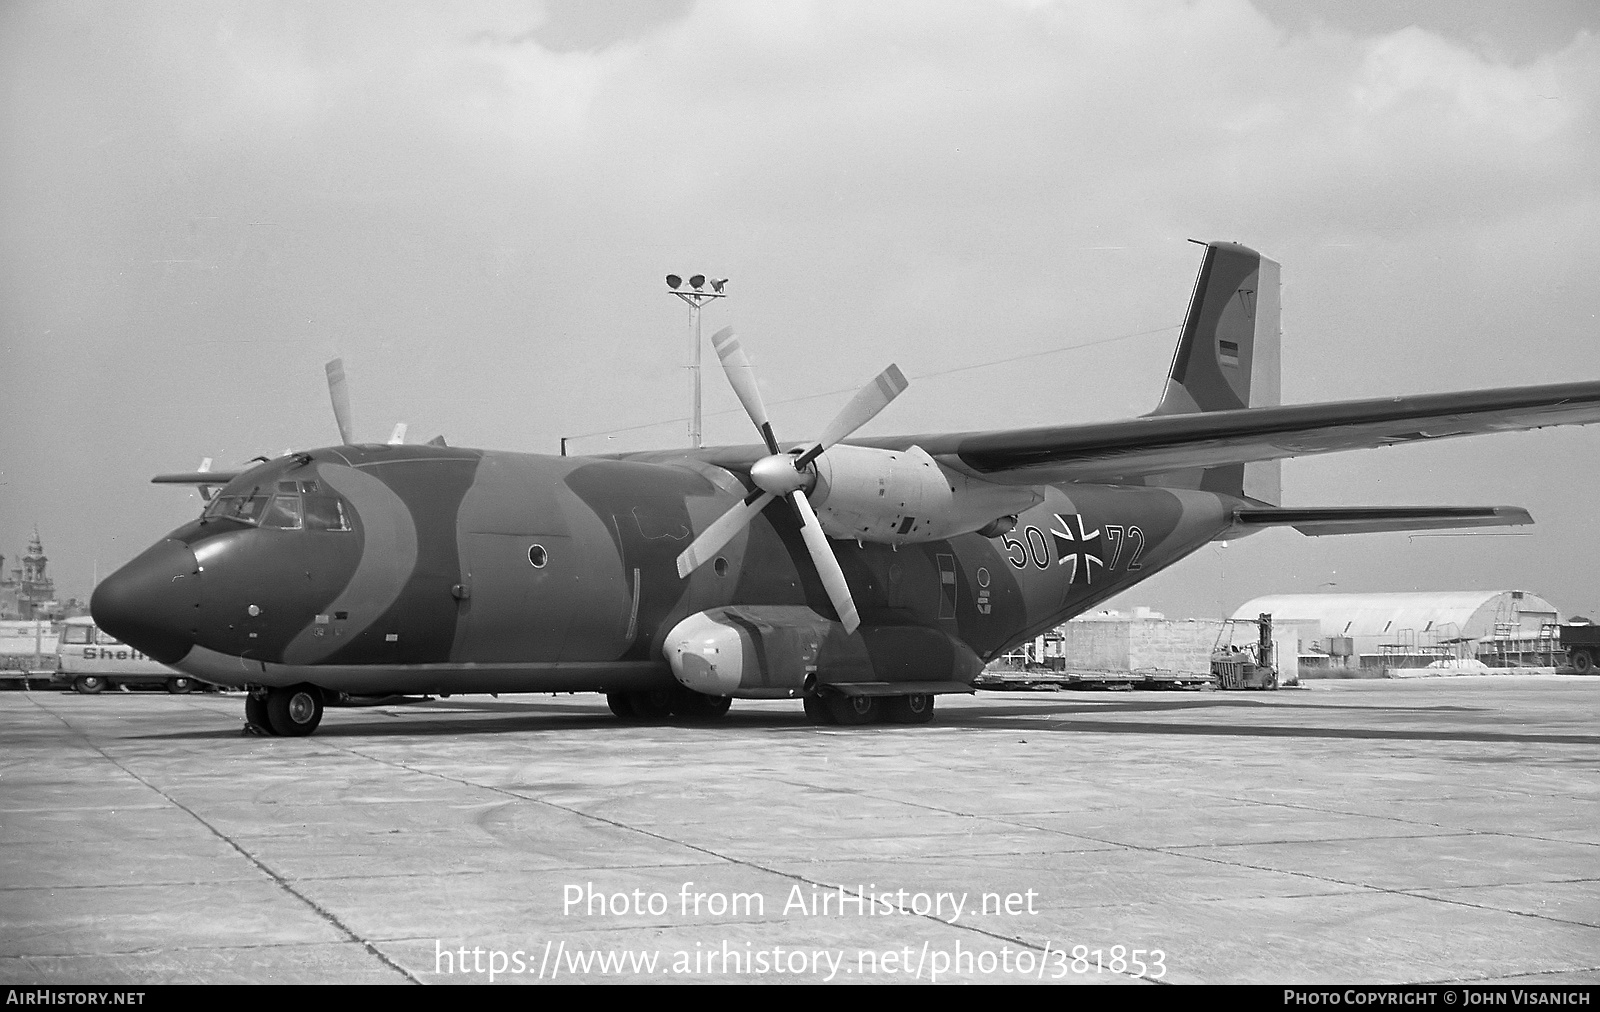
[[246, 509], [291, 506]]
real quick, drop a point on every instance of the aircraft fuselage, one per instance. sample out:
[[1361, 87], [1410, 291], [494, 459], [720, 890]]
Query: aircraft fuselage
[[379, 569]]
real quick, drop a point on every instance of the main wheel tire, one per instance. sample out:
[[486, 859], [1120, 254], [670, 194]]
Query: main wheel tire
[[817, 709], [853, 711], [179, 684], [618, 701], [255, 713], [692, 705], [1582, 662], [651, 706], [914, 709], [294, 712], [89, 684]]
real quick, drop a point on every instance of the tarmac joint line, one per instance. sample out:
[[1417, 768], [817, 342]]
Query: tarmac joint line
[[283, 883]]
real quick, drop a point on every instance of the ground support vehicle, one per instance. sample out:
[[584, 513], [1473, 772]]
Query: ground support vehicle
[[1581, 641], [1246, 665], [91, 660]]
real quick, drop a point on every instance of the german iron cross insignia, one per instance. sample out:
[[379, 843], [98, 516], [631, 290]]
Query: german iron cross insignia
[[1077, 550]]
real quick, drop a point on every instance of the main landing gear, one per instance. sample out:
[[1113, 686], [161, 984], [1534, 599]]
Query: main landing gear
[[292, 712], [854, 711], [659, 704]]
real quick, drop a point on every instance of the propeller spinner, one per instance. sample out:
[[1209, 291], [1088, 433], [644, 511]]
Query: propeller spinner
[[788, 475]]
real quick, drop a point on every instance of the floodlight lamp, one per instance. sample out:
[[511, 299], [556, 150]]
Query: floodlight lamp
[[698, 281], [717, 283], [673, 281]]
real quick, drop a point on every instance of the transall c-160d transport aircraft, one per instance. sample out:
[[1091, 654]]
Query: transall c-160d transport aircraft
[[675, 581]]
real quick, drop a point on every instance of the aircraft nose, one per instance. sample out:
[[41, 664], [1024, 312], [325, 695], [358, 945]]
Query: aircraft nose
[[152, 603]]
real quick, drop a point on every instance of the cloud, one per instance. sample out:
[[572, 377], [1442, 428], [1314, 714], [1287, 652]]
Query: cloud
[[804, 112]]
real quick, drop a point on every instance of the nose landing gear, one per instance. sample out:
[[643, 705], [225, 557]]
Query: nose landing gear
[[291, 712]]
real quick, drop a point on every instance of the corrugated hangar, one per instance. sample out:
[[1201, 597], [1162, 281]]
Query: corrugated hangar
[[1339, 632]]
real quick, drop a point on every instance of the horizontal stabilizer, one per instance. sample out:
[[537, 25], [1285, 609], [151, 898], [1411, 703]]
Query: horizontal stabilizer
[[196, 478], [1321, 520]]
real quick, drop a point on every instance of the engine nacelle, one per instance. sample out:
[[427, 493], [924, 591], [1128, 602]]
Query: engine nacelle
[[903, 496]]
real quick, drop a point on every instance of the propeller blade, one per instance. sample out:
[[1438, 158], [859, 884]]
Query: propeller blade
[[714, 538], [398, 436], [863, 407], [742, 377], [339, 392], [827, 565]]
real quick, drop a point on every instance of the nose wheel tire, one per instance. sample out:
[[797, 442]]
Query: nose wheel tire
[[618, 701], [89, 684], [294, 712], [914, 709]]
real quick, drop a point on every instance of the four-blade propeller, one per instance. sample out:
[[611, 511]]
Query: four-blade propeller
[[339, 393], [788, 475]]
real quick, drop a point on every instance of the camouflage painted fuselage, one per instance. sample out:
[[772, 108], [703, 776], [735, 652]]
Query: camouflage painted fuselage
[[473, 571]]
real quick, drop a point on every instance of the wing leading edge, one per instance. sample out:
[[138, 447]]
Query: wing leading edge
[[1131, 450]]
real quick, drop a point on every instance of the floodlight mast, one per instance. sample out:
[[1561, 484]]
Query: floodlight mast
[[695, 299]]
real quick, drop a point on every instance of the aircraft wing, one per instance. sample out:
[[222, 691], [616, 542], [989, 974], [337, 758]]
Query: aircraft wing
[[1129, 450], [1317, 521]]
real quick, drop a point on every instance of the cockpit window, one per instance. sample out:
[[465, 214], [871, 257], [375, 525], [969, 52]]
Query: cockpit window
[[284, 511], [303, 505], [326, 513], [246, 509]]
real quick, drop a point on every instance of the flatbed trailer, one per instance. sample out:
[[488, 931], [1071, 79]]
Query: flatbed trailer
[[1043, 680]]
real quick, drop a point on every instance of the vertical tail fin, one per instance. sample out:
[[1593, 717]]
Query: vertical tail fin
[[1227, 358]]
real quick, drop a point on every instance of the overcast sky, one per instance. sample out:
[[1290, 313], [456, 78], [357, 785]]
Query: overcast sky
[[475, 204]]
